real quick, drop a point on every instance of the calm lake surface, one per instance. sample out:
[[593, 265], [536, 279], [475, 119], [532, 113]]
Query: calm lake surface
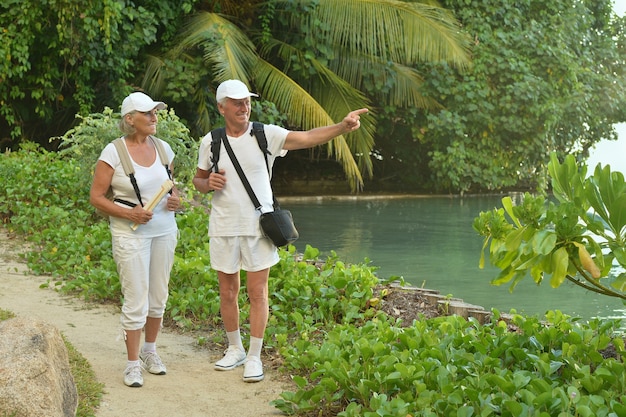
[[430, 242]]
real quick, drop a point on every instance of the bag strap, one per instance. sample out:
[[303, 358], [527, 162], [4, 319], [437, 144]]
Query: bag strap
[[244, 180], [259, 133], [127, 165]]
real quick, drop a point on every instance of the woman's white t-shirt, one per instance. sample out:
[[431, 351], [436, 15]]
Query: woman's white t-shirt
[[232, 211], [149, 180]]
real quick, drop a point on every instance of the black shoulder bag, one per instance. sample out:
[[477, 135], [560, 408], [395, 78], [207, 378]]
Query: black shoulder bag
[[277, 225]]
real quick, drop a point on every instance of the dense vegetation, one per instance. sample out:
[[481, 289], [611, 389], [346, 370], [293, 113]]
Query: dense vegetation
[[473, 95], [547, 77], [345, 357]]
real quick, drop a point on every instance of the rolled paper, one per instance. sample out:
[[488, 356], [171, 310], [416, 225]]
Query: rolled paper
[[165, 188]]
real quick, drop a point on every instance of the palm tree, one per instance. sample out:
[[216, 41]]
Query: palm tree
[[316, 61]]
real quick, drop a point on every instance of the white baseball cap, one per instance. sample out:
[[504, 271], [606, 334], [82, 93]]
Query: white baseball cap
[[233, 89], [140, 102]]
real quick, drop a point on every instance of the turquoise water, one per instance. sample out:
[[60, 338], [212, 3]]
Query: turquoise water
[[430, 243]]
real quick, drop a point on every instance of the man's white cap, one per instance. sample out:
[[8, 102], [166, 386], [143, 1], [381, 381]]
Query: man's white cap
[[140, 102], [233, 89]]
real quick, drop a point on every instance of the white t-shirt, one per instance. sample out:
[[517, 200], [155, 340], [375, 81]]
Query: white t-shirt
[[232, 211], [149, 180]]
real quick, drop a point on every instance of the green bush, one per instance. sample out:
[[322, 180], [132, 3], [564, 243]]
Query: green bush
[[450, 366], [84, 142]]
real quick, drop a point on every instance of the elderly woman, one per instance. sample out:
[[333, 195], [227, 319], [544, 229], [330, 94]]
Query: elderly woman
[[144, 254]]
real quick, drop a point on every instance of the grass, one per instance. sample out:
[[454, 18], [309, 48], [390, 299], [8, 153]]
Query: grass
[[89, 389]]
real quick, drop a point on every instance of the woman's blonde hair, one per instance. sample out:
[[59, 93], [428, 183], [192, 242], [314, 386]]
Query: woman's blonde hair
[[125, 127]]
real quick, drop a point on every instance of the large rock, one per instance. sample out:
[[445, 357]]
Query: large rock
[[35, 377]]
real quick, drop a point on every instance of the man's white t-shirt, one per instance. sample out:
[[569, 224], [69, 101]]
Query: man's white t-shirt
[[149, 179], [232, 211]]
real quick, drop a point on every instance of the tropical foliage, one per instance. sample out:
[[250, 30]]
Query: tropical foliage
[[301, 56], [60, 58], [579, 238], [546, 77], [317, 61], [84, 143], [464, 95], [345, 357]]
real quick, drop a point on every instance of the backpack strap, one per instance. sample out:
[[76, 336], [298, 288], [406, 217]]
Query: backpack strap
[[128, 170], [216, 143], [127, 164], [259, 133], [161, 151], [124, 157]]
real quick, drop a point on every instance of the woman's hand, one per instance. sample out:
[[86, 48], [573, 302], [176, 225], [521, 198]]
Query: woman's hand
[[138, 215], [174, 202]]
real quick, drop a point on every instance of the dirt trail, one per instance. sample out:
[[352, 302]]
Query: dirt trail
[[190, 388]]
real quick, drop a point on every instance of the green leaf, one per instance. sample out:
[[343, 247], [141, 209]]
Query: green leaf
[[515, 238], [544, 242], [507, 203], [560, 262]]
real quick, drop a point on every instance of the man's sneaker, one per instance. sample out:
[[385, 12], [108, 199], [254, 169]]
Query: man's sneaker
[[152, 362], [253, 370], [233, 357], [132, 376]]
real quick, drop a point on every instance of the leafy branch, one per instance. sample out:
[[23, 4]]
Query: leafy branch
[[575, 235]]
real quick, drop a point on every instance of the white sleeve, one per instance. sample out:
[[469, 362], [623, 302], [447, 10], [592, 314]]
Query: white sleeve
[[110, 156], [276, 137], [204, 153]]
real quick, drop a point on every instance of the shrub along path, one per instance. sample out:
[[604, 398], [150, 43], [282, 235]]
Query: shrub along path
[[190, 388]]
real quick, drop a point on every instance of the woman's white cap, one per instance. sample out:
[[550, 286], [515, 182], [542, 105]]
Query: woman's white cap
[[140, 102], [233, 89]]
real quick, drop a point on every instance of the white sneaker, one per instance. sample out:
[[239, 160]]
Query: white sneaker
[[253, 370], [133, 377], [153, 363], [233, 357]]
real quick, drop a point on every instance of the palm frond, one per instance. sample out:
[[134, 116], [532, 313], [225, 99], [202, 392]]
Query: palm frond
[[399, 31], [304, 111], [404, 81], [225, 47], [153, 80], [357, 38], [337, 97]]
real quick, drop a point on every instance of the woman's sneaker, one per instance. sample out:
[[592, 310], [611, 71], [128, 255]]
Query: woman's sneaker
[[152, 362], [133, 377], [253, 370], [233, 357]]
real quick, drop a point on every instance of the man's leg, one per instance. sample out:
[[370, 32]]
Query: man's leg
[[229, 309], [257, 283], [229, 299], [259, 305]]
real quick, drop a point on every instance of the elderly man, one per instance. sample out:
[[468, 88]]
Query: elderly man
[[236, 240]]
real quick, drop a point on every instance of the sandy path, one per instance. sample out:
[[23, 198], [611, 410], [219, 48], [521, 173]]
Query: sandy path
[[190, 388]]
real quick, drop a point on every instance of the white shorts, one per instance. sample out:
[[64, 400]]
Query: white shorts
[[230, 254], [143, 266]]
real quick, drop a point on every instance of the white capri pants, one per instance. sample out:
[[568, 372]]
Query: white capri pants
[[143, 266]]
